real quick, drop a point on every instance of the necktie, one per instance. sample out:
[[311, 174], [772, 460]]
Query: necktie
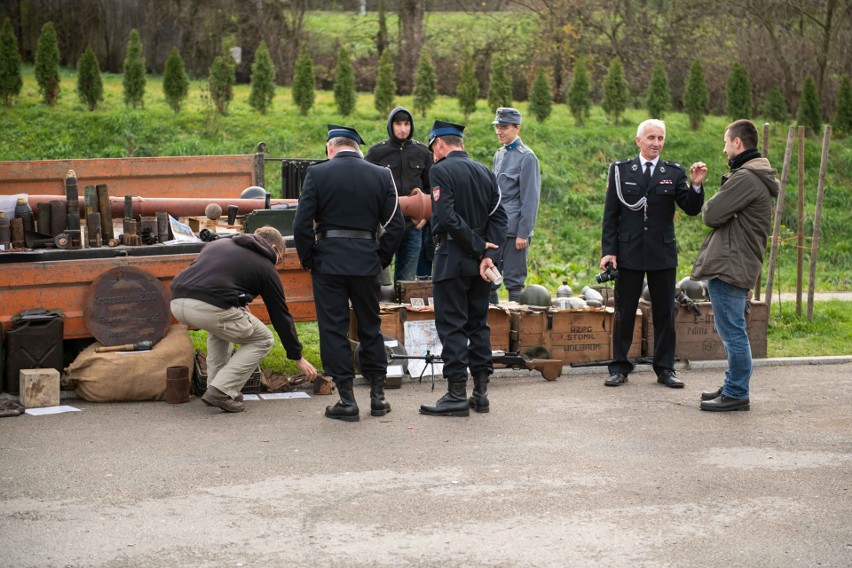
[[648, 166]]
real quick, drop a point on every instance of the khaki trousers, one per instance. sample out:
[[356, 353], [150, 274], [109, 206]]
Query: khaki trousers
[[226, 371]]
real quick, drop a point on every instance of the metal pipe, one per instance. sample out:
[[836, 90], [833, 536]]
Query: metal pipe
[[176, 207]]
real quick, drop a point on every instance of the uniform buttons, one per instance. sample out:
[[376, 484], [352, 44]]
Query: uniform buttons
[[646, 228]]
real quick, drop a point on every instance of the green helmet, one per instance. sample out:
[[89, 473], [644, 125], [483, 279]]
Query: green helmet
[[535, 295]]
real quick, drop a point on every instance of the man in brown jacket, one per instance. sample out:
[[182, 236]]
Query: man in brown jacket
[[732, 256]]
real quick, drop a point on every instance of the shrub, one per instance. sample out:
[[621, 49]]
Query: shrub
[[499, 85], [263, 81], [47, 64], [467, 91], [175, 81], [385, 85], [810, 115], [616, 91], [344, 84], [580, 91], [90, 86], [134, 72], [541, 95], [738, 94], [843, 116], [11, 82], [303, 81], [425, 84], [658, 98], [774, 108], [695, 96], [221, 81]]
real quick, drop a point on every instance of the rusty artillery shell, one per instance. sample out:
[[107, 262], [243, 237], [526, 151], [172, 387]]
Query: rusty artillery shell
[[5, 231], [93, 229], [17, 232], [43, 218], [232, 214], [72, 193], [162, 226], [128, 206], [107, 231], [58, 218], [90, 199]]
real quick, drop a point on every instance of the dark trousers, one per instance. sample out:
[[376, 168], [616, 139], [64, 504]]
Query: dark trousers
[[332, 294], [461, 319], [628, 289]]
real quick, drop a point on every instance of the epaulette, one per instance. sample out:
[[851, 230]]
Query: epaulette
[[621, 162], [674, 164]]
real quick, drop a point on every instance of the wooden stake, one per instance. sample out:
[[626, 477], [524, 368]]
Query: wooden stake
[[800, 222], [826, 138], [779, 208]]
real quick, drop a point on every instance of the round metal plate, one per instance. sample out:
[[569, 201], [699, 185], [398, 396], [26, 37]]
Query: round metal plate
[[126, 305]]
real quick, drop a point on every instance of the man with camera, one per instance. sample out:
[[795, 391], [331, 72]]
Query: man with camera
[[638, 241]]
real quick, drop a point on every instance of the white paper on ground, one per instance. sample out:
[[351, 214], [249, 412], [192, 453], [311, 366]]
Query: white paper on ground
[[250, 397], [51, 410], [281, 395]]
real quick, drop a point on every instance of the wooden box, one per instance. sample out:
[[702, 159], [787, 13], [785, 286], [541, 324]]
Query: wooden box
[[697, 339], [572, 336], [417, 292], [499, 320]]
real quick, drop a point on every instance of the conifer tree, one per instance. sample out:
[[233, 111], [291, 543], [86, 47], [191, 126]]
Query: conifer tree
[[499, 85], [695, 97], [467, 90], [47, 64], [738, 103], [175, 81], [540, 95], [344, 84], [774, 108], [810, 115], [220, 82], [843, 116], [616, 91], [303, 81], [425, 84], [658, 99], [263, 80], [90, 86], [11, 82], [134, 72], [385, 85], [578, 93]]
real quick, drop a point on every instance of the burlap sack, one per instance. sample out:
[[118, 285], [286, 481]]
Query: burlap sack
[[130, 375]]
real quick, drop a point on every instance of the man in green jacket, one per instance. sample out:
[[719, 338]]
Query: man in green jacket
[[731, 257]]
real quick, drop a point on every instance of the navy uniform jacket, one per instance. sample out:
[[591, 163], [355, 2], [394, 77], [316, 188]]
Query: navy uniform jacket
[[466, 213], [638, 243], [350, 194]]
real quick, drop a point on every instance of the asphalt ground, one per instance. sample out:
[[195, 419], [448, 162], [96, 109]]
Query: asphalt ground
[[563, 473]]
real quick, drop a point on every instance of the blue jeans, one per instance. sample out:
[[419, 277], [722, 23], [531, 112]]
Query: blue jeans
[[729, 303], [407, 255]]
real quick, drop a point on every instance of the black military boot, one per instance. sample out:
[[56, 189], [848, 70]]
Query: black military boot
[[479, 399], [378, 405], [454, 403], [346, 409]]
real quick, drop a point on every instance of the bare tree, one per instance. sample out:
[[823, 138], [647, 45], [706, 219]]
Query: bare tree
[[411, 34]]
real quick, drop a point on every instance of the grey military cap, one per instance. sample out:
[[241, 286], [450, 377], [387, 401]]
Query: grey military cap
[[507, 115]]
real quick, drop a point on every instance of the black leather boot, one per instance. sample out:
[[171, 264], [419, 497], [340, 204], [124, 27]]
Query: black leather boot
[[454, 403], [479, 399], [346, 409], [378, 405]]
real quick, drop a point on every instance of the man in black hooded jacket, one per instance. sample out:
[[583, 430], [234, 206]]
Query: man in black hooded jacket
[[409, 162]]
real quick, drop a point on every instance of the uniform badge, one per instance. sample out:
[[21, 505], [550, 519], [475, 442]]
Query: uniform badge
[[662, 169], [436, 193], [634, 168]]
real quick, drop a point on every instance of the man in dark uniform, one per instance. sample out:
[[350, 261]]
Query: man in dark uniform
[[344, 201], [467, 222], [638, 238]]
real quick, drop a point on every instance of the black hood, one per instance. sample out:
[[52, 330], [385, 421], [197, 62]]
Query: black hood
[[392, 115], [257, 244]]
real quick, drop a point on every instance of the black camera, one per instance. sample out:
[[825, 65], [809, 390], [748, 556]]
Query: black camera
[[610, 274]]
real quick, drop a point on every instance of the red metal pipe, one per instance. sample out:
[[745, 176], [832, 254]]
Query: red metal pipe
[[176, 207]]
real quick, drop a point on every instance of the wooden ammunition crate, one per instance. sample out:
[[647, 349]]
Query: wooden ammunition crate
[[572, 336], [421, 290], [394, 318], [697, 339]]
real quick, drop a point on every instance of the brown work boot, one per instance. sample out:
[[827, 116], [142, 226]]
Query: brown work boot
[[214, 397]]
